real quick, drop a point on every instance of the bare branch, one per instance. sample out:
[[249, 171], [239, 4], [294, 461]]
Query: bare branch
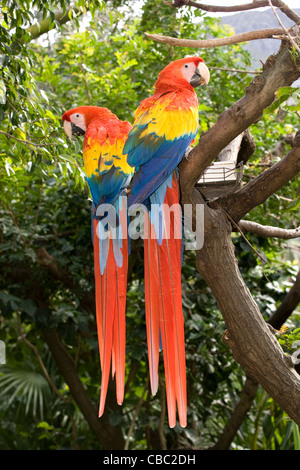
[[266, 231], [28, 143], [227, 69], [234, 8], [284, 28], [36, 30], [278, 71], [268, 33], [241, 232]]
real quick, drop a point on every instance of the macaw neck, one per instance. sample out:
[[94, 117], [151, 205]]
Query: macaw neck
[[165, 85]]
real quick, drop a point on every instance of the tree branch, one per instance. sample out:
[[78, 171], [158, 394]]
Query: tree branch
[[29, 143], [258, 190], [252, 343], [266, 231], [234, 8], [284, 28], [228, 69], [278, 71], [268, 33], [249, 390], [46, 25]]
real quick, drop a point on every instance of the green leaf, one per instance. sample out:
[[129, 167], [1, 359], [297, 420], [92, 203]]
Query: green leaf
[[2, 92], [68, 158], [296, 434], [285, 91]]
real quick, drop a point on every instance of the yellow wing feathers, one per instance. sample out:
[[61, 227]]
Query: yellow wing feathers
[[168, 120], [100, 155]]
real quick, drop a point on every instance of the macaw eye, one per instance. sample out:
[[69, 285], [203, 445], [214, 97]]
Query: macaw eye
[[77, 115], [186, 66]]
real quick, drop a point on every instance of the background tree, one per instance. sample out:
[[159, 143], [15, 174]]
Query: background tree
[[98, 54]]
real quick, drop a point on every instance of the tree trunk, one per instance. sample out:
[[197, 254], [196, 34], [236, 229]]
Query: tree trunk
[[253, 344]]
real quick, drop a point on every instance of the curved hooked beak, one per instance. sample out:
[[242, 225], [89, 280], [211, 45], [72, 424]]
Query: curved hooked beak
[[201, 76], [71, 129], [68, 129]]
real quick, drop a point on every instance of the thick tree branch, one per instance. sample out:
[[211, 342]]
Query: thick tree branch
[[268, 33], [279, 70], [252, 343], [266, 231], [263, 186], [234, 8], [249, 390]]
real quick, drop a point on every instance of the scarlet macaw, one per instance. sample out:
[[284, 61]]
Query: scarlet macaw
[[164, 126], [107, 174]]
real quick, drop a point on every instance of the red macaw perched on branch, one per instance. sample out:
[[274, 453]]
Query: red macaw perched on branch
[[165, 125], [107, 174]]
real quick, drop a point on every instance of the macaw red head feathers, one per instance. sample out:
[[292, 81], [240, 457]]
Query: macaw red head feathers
[[77, 120], [183, 73]]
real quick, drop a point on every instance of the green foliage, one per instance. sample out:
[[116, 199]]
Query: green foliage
[[47, 280]]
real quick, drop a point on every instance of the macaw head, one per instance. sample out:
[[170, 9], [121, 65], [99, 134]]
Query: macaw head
[[77, 120], [189, 72]]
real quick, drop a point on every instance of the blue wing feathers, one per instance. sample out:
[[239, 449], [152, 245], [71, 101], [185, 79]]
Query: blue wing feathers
[[154, 171]]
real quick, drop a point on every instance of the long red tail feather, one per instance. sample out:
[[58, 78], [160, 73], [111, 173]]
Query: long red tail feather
[[152, 304], [164, 307], [110, 289]]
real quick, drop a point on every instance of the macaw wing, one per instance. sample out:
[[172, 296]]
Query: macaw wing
[[158, 141], [156, 170], [107, 170], [147, 134]]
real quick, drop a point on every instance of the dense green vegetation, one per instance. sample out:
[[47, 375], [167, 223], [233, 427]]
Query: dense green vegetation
[[101, 57]]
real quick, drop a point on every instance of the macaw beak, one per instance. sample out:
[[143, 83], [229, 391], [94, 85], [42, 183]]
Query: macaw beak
[[71, 129], [77, 130], [201, 76], [68, 129]]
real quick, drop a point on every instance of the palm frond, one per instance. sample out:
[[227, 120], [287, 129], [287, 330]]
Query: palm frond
[[26, 387]]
